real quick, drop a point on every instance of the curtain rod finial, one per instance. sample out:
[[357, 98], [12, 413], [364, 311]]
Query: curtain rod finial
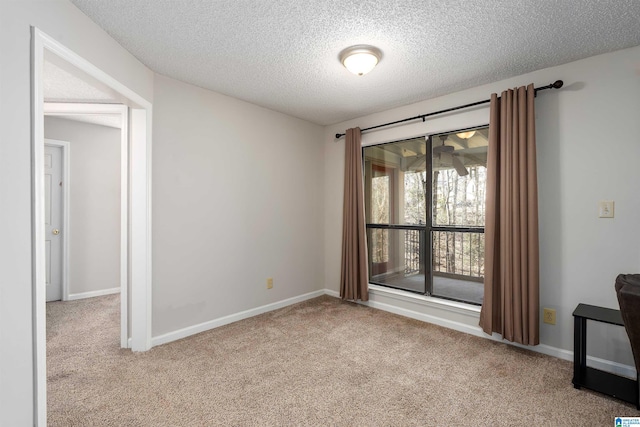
[[339, 135], [557, 84]]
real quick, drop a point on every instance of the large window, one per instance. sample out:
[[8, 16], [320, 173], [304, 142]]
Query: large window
[[425, 201]]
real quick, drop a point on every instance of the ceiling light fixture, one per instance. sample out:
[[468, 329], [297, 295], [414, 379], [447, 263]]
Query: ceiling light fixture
[[466, 135], [360, 59]]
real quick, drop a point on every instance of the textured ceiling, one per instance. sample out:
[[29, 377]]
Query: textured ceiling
[[283, 54], [65, 85], [62, 82]]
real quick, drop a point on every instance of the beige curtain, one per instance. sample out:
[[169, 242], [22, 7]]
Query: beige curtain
[[511, 295], [353, 277]]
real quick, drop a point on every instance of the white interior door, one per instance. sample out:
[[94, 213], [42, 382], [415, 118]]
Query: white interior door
[[53, 221]]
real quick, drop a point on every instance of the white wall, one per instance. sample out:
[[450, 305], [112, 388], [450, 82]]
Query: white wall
[[94, 246], [241, 193], [237, 198], [64, 22], [588, 137]]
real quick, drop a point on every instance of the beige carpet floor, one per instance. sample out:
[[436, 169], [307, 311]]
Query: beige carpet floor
[[321, 362]]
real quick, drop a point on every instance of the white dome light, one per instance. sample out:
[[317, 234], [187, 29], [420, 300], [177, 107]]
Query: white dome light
[[466, 135], [360, 59]]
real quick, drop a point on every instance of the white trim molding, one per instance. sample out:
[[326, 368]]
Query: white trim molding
[[460, 308], [66, 109], [81, 109], [38, 44], [124, 227], [427, 301], [221, 321], [140, 227], [470, 316], [429, 318], [91, 294], [332, 293]]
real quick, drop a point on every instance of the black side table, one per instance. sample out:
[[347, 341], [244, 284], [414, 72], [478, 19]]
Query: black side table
[[594, 379]]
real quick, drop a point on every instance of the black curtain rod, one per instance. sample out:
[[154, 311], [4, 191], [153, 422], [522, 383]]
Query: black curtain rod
[[555, 85]]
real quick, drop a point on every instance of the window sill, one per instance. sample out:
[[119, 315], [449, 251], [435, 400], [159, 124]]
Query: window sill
[[438, 303]]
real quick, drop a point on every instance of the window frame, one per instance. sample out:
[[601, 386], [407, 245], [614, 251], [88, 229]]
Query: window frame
[[428, 228]]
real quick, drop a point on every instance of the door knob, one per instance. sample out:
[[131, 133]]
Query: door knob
[[55, 231]]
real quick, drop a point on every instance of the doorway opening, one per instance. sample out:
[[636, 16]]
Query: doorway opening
[[96, 138], [137, 283]]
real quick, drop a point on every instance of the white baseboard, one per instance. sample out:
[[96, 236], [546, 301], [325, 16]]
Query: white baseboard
[[196, 329], [332, 293], [595, 362], [609, 366], [451, 324], [92, 294]]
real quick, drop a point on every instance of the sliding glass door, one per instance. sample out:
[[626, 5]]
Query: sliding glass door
[[424, 202]]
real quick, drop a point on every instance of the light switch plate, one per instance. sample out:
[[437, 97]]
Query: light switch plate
[[605, 209]]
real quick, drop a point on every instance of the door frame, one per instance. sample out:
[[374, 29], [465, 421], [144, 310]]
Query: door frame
[[66, 167], [139, 197], [55, 109]]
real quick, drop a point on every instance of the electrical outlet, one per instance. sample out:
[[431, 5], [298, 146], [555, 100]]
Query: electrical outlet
[[270, 283], [605, 209], [549, 316]]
